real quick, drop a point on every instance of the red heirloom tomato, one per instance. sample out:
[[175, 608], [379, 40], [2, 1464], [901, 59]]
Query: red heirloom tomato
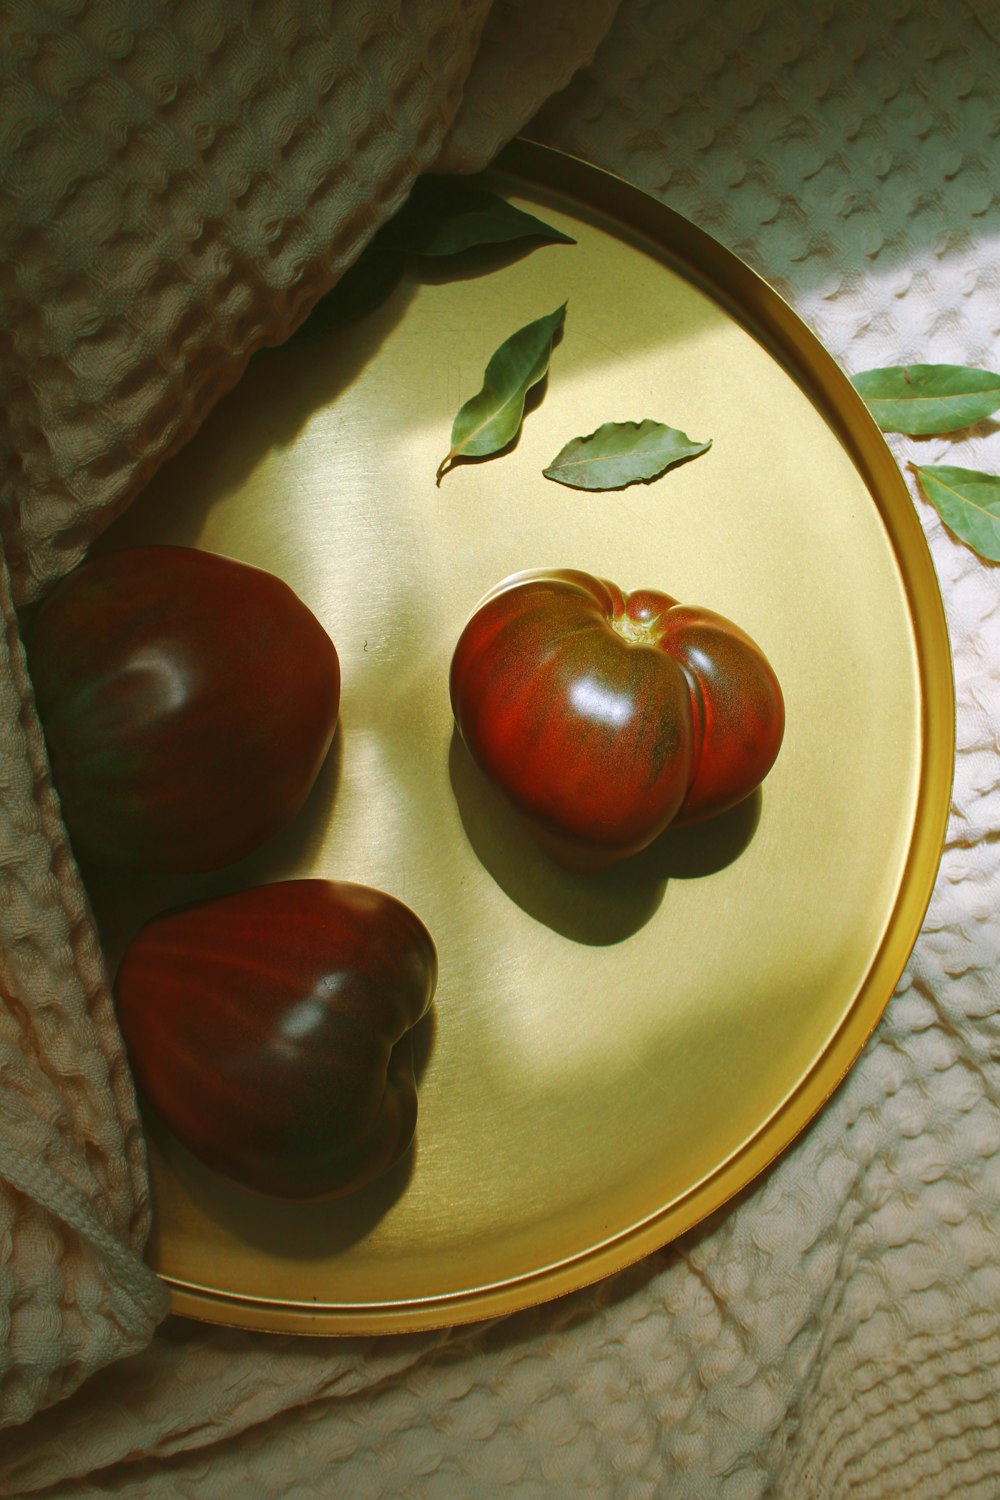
[[188, 702], [604, 717], [270, 1030]]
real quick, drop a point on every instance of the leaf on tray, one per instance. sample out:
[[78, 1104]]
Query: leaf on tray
[[363, 287], [924, 399], [442, 217], [447, 215], [622, 453], [968, 502], [492, 418]]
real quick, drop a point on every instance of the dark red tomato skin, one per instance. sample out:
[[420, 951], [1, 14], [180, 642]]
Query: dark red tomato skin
[[270, 1031], [739, 709], [605, 717], [188, 702]]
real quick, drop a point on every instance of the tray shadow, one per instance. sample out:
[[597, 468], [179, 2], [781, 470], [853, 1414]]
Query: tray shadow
[[597, 909]]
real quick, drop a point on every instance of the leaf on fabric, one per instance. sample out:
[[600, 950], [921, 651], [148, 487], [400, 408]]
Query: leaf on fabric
[[447, 215], [622, 453], [924, 399], [968, 502], [492, 418]]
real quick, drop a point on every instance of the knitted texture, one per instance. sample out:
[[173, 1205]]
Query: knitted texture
[[74, 1206], [836, 1331]]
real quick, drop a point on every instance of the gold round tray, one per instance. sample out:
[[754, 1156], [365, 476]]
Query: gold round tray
[[610, 1057]]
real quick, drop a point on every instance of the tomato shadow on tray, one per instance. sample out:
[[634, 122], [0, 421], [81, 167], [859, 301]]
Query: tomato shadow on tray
[[597, 909], [281, 1227]]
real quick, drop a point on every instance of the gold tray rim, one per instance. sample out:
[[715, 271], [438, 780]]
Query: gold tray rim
[[755, 304]]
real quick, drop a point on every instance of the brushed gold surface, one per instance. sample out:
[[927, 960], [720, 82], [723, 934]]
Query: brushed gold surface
[[610, 1057]]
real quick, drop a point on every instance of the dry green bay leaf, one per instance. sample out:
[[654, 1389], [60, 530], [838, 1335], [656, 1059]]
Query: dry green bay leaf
[[923, 399], [364, 286], [967, 501], [447, 215], [622, 453], [492, 418], [442, 219]]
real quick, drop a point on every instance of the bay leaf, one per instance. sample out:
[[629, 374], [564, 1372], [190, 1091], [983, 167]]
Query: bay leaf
[[364, 286], [967, 501], [445, 216], [622, 453], [442, 218], [491, 418], [924, 399]]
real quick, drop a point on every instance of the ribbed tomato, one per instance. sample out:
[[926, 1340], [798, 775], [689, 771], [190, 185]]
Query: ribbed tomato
[[605, 717], [188, 702], [270, 1030]]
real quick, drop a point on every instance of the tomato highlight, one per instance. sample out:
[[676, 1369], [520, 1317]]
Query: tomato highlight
[[188, 703], [604, 717]]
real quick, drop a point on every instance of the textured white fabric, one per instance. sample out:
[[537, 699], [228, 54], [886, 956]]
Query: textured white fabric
[[836, 1331]]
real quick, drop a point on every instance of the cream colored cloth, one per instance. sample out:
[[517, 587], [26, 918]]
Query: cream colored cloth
[[836, 1331]]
